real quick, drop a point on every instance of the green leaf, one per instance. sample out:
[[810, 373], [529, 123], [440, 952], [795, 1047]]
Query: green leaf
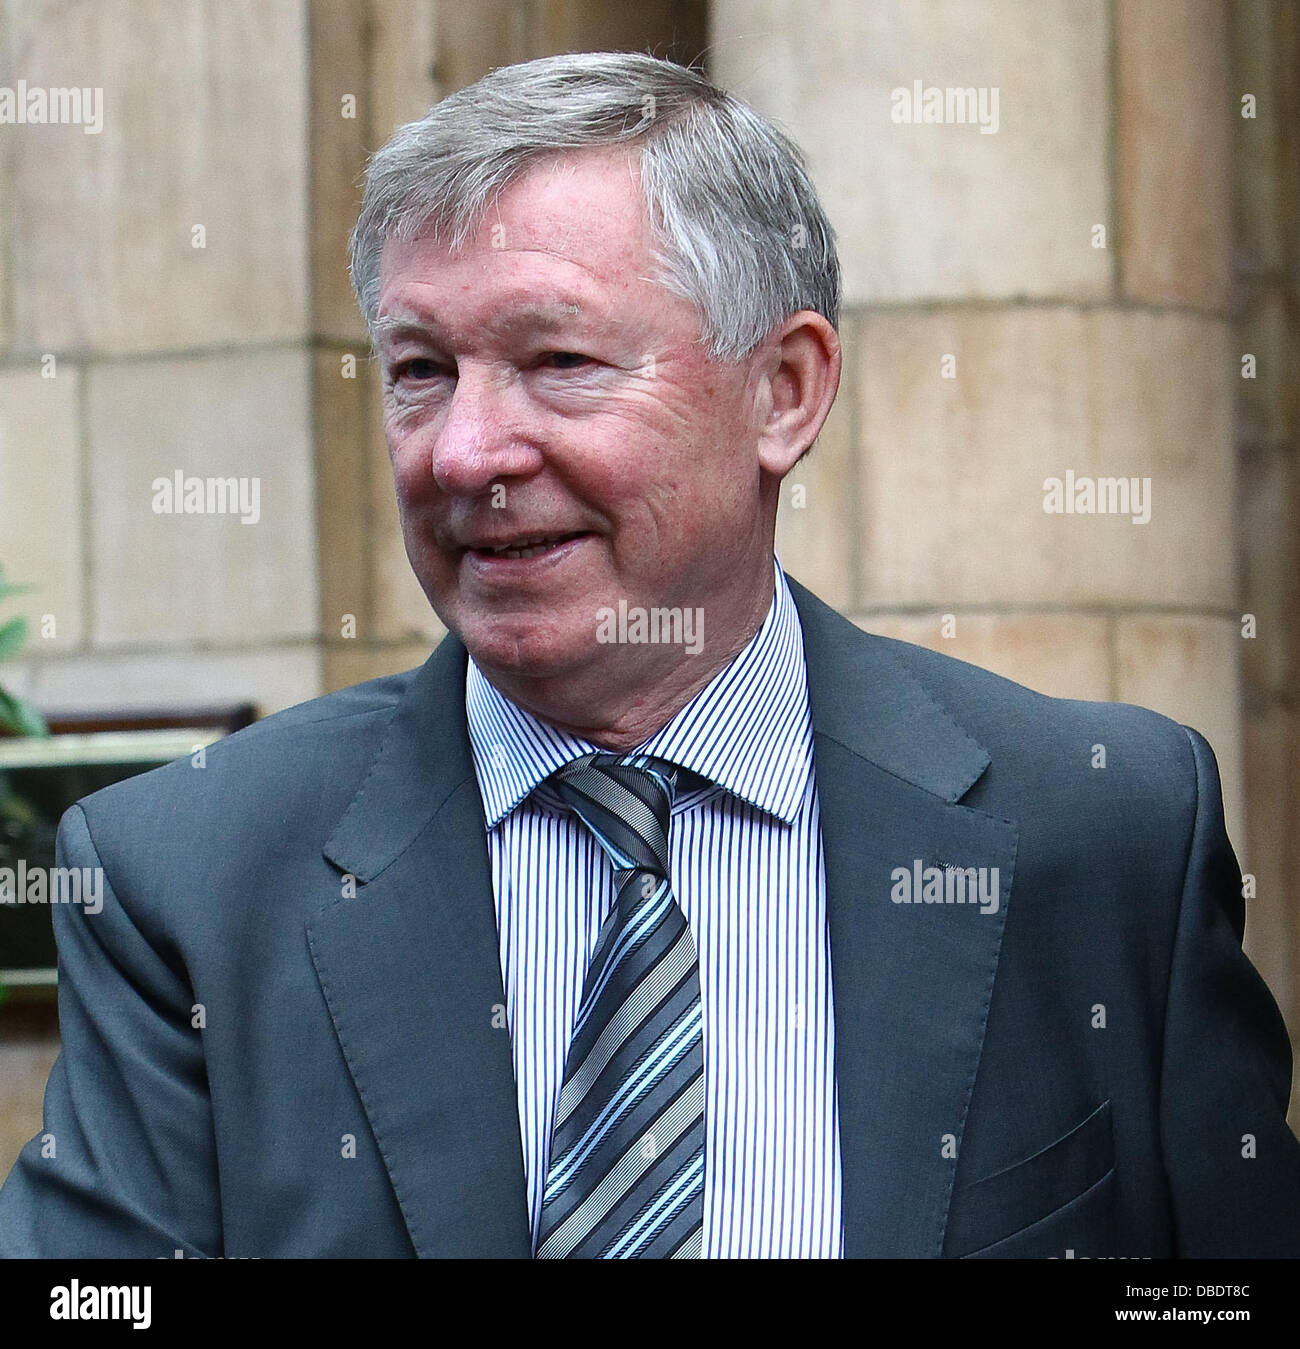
[[20, 717], [16, 715], [12, 636]]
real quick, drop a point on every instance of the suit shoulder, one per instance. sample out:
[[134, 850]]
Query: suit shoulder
[[1018, 724], [983, 695], [1009, 720], [375, 696]]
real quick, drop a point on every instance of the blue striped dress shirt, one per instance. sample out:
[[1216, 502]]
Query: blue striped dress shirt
[[747, 870]]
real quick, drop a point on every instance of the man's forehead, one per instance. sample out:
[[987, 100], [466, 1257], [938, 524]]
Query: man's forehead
[[582, 186], [527, 314], [584, 207], [564, 244]]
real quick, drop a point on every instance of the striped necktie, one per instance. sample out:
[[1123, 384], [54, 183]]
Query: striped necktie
[[626, 1175]]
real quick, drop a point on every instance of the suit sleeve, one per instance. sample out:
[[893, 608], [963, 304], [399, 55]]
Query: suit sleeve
[[1233, 1163], [125, 1164]]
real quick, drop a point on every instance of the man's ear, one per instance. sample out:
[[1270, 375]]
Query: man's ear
[[800, 374]]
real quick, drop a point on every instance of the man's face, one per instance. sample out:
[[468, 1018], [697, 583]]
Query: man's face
[[541, 389]]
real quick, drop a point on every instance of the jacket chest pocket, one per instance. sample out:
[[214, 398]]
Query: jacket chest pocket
[[1068, 1172]]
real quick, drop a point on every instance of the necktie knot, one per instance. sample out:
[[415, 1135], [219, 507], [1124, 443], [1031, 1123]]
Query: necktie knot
[[626, 801]]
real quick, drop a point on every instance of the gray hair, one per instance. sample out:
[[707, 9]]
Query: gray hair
[[736, 225]]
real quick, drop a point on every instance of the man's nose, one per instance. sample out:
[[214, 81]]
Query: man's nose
[[480, 440]]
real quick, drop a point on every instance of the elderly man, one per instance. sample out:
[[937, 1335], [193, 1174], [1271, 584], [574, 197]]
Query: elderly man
[[662, 912]]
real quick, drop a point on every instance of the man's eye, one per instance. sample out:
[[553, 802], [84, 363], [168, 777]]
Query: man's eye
[[565, 360], [418, 369]]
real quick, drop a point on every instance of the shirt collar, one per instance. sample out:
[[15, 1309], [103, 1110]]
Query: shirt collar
[[748, 730]]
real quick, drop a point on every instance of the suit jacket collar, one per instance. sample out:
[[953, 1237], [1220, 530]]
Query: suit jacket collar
[[864, 700], [410, 963], [423, 759]]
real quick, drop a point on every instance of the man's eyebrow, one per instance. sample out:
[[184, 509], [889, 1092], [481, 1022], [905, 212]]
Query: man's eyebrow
[[397, 326], [526, 318]]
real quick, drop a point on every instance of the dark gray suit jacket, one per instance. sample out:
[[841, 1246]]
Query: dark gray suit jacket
[[350, 1090]]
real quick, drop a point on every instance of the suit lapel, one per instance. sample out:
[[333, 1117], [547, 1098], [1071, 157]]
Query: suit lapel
[[410, 969], [911, 981]]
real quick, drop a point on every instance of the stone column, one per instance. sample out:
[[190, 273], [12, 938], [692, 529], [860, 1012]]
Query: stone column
[[373, 67], [1266, 160]]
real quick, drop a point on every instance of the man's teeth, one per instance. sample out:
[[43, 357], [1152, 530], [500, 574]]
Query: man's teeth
[[529, 549]]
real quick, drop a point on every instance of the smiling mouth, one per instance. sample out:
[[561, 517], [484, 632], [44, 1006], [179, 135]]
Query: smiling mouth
[[529, 547]]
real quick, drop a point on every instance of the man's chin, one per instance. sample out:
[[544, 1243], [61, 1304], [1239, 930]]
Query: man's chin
[[524, 653]]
